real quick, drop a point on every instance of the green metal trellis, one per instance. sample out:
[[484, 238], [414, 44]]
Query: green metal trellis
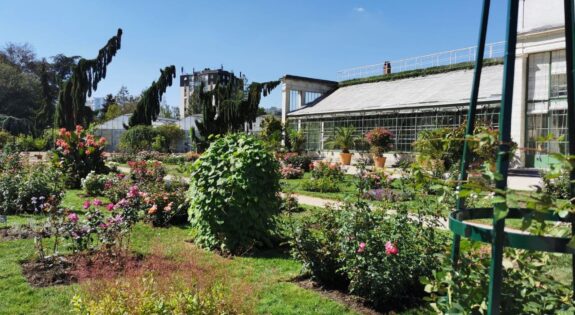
[[497, 236]]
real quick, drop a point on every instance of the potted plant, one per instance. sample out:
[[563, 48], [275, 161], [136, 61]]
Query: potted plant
[[343, 139], [380, 140]]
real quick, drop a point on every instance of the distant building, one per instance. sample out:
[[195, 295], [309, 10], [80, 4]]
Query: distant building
[[189, 82], [373, 96]]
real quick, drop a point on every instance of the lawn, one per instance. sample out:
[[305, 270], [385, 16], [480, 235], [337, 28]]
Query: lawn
[[268, 273], [347, 188]]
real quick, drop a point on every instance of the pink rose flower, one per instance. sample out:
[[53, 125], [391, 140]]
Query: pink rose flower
[[97, 202], [87, 204], [110, 207], [361, 248], [73, 217], [391, 248]]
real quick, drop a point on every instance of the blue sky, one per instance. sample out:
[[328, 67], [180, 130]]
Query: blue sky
[[263, 39]]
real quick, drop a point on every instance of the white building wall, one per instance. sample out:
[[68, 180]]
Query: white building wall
[[540, 14]]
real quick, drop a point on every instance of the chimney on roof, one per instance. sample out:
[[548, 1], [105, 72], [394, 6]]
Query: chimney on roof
[[387, 67]]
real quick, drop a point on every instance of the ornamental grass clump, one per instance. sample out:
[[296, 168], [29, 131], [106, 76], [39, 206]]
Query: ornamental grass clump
[[234, 195]]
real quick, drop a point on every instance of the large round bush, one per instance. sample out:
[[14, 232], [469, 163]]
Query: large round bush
[[138, 138], [234, 194]]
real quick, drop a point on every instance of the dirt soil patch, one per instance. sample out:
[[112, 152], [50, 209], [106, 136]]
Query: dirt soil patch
[[21, 233], [81, 267], [355, 303]]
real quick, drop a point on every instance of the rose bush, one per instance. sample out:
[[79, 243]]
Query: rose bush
[[321, 169], [78, 153], [376, 254], [291, 172]]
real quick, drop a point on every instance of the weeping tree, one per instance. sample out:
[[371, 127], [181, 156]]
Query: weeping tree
[[148, 107], [86, 75], [228, 107]]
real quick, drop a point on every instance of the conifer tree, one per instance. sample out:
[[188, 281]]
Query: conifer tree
[[86, 75], [148, 107], [227, 107]]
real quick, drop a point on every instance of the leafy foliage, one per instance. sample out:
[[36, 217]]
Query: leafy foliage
[[148, 107], [85, 77], [148, 297], [78, 153], [291, 172], [227, 107], [380, 140], [93, 184], [527, 287], [271, 132], [322, 169], [375, 254], [23, 188], [234, 194], [343, 139], [138, 138], [323, 184], [171, 134], [299, 161]]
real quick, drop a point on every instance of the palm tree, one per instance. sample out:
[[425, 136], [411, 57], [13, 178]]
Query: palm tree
[[343, 139]]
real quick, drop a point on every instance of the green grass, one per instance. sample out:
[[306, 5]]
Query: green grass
[[269, 273], [347, 188]]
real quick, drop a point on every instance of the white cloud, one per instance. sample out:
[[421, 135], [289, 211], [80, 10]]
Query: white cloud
[[359, 9]]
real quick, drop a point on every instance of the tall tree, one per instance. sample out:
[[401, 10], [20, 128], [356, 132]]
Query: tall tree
[[228, 107], [123, 96], [86, 75], [20, 99], [21, 56], [148, 107]]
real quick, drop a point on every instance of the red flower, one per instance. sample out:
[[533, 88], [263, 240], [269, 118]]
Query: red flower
[[391, 248]]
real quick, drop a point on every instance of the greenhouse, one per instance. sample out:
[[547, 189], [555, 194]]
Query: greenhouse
[[405, 106]]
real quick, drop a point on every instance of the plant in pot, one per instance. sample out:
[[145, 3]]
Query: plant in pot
[[343, 139], [380, 140]]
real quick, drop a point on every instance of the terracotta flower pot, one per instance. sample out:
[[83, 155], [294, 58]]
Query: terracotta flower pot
[[379, 161], [345, 158]]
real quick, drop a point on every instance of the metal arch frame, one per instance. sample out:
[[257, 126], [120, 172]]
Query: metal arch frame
[[497, 235]]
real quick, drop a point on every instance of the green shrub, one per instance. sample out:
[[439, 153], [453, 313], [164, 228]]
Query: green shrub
[[234, 194], [5, 138], [39, 181], [324, 184], [291, 172], [138, 138], [385, 254], [93, 184], [23, 189], [299, 161], [315, 242], [557, 184], [171, 134], [25, 143], [375, 254], [322, 169], [116, 186], [527, 286]]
